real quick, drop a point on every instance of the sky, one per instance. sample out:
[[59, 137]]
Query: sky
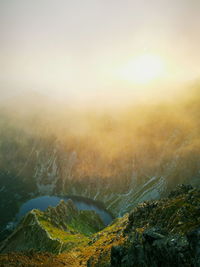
[[75, 49]]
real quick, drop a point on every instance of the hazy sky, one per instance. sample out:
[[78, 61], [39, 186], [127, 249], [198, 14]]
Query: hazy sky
[[75, 47]]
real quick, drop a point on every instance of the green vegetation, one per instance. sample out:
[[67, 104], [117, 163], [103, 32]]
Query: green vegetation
[[55, 230]]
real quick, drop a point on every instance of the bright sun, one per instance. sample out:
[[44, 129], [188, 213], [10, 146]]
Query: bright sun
[[143, 69]]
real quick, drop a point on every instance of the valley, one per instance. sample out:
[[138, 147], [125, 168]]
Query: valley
[[99, 133], [105, 163]]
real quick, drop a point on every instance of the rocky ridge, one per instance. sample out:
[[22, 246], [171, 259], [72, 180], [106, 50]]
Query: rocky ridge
[[156, 233], [54, 230]]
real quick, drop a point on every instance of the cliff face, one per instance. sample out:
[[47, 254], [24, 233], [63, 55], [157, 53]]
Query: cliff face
[[54, 230], [119, 159]]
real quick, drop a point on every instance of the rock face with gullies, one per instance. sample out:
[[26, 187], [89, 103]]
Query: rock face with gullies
[[54, 230], [62, 214], [162, 233]]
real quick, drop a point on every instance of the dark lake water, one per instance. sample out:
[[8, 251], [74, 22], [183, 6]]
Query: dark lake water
[[42, 203]]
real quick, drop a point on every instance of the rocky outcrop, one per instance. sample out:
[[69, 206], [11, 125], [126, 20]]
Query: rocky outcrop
[[156, 249], [162, 233]]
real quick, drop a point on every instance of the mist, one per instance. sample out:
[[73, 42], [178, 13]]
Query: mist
[[74, 52], [99, 127], [113, 86], [146, 138]]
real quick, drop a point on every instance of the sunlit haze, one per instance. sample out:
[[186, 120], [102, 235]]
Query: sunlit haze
[[143, 69], [91, 51], [99, 133]]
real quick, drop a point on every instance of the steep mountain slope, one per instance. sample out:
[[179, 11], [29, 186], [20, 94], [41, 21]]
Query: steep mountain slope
[[156, 233], [54, 230], [120, 159], [163, 233]]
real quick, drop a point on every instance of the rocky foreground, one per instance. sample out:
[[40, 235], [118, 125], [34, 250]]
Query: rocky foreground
[[156, 233]]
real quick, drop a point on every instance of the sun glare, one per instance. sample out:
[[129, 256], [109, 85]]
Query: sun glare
[[143, 69]]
